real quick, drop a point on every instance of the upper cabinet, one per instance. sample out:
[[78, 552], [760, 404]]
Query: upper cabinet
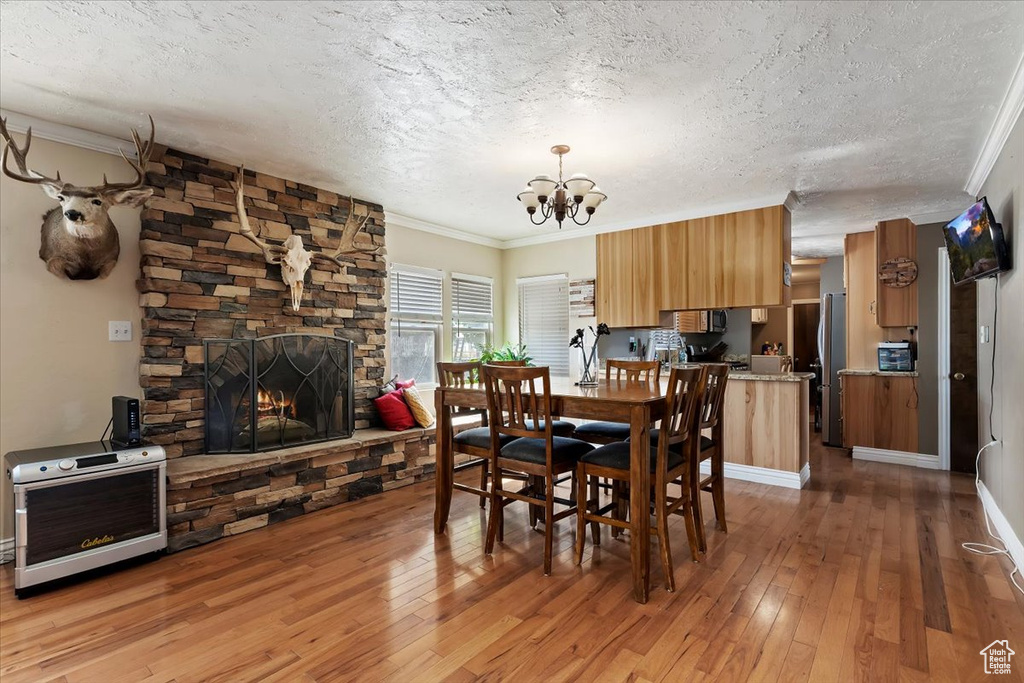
[[896, 277], [735, 260]]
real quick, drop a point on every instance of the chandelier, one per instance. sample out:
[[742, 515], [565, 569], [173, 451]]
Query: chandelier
[[561, 198]]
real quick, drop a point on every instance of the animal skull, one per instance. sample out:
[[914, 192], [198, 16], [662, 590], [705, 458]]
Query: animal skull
[[292, 256], [294, 264]]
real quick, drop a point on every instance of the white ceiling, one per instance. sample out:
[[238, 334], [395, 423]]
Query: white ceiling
[[442, 111]]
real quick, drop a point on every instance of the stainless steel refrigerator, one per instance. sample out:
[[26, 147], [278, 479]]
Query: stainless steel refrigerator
[[832, 352]]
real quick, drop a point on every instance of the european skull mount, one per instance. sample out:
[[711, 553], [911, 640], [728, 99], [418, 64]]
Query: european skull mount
[[292, 255], [78, 239]]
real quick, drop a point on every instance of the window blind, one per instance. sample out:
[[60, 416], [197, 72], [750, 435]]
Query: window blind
[[416, 294], [544, 321], [471, 300]]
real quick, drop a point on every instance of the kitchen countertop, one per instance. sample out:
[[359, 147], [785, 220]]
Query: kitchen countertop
[[879, 373], [771, 376]]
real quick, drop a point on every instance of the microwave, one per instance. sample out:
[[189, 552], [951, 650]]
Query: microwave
[[717, 321], [895, 357]]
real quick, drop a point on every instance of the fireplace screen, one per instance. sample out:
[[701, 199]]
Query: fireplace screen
[[277, 391]]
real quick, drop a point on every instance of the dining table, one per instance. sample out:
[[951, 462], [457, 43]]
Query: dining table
[[639, 404]]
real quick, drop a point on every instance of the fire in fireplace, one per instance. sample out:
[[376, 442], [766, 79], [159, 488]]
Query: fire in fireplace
[[277, 391]]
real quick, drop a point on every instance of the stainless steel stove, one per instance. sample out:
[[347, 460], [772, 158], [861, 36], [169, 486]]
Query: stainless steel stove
[[83, 506]]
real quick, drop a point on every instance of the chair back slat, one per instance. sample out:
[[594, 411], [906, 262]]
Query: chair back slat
[[461, 376], [633, 370], [508, 363], [682, 400], [714, 395], [513, 399]]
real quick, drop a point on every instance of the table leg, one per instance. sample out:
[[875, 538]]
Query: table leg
[[640, 500], [445, 472]]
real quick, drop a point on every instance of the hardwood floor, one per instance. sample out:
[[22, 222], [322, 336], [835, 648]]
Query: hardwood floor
[[859, 577]]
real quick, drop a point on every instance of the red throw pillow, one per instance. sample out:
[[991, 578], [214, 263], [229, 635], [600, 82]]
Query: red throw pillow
[[406, 383], [394, 411]]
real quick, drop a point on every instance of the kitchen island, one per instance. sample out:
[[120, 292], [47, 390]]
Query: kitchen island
[[766, 427]]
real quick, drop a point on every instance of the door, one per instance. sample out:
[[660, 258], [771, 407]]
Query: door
[[963, 377], [805, 344]]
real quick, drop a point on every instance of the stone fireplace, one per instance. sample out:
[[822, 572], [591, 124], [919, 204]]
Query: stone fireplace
[[202, 281], [278, 391]]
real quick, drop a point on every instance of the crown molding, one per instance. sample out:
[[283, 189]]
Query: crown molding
[[933, 217], [68, 135], [698, 212], [403, 221], [1006, 117]]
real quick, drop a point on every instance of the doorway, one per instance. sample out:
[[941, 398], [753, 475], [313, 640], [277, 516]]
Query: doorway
[[958, 372], [806, 316]]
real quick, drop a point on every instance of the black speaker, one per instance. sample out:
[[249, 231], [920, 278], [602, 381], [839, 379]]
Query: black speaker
[[127, 422]]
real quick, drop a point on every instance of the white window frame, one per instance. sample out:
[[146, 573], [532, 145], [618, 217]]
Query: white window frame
[[558, 338], [418, 320], [468, 320]]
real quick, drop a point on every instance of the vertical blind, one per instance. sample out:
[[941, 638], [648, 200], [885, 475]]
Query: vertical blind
[[544, 321], [471, 300]]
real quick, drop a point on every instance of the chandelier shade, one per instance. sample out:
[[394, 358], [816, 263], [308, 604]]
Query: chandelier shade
[[561, 198]]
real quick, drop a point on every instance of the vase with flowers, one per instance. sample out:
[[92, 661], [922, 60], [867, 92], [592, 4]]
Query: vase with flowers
[[589, 353]]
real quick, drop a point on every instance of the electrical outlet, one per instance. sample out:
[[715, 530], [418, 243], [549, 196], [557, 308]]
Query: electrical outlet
[[983, 334], [120, 330]]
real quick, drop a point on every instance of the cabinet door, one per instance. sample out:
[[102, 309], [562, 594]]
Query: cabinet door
[[614, 285], [858, 406]]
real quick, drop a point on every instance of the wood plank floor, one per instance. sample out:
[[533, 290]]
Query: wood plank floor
[[858, 577]]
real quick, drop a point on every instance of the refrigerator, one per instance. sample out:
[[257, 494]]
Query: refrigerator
[[832, 352]]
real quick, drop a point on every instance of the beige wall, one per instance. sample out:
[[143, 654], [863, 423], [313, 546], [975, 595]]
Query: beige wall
[[575, 257], [417, 248], [57, 369], [1002, 466]]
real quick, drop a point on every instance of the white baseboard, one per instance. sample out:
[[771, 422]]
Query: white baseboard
[[1002, 526], [928, 462], [6, 545], [761, 475], [805, 474]]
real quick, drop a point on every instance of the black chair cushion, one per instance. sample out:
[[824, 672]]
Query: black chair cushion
[[480, 437], [533, 450], [558, 427], [616, 456], [604, 430], [706, 443]]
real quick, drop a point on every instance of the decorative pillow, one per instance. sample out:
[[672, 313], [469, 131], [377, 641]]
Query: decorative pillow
[[420, 412], [389, 386], [405, 384], [394, 411]]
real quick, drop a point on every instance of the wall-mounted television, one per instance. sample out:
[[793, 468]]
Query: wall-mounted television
[[976, 244]]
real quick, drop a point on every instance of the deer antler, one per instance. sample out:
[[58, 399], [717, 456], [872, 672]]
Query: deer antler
[[143, 151], [347, 245], [271, 252], [27, 174]]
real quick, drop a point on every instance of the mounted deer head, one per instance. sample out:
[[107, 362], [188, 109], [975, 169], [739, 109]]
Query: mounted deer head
[[292, 255], [78, 240]]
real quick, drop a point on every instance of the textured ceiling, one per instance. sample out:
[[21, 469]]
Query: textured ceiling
[[442, 111]]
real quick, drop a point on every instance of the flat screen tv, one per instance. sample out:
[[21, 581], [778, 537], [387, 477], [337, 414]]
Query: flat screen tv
[[976, 244]]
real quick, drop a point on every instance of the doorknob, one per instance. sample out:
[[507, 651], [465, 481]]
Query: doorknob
[[958, 376]]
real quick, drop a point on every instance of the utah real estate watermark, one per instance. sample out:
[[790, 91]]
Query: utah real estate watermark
[[997, 657]]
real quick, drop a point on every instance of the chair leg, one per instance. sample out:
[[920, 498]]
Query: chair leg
[[691, 527], [534, 514], [661, 517], [581, 506], [483, 482], [696, 514], [494, 520], [549, 525], [718, 490]]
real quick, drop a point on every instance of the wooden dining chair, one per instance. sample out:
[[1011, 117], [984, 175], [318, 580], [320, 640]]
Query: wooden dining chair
[[561, 427], [711, 448], [647, 371], [516, 406], [671, 462]]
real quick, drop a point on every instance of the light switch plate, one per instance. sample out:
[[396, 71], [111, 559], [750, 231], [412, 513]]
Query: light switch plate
[[120, 330], [983, 334]]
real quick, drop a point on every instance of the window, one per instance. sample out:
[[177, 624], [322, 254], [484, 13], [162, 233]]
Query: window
[[416, 322], [544, 321], [472, 316]]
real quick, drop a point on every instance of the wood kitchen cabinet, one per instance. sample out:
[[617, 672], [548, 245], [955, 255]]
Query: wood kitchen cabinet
[[895, 306], [734, 260], [879, 411], [625, 279], [691, 321], [860, 274]]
